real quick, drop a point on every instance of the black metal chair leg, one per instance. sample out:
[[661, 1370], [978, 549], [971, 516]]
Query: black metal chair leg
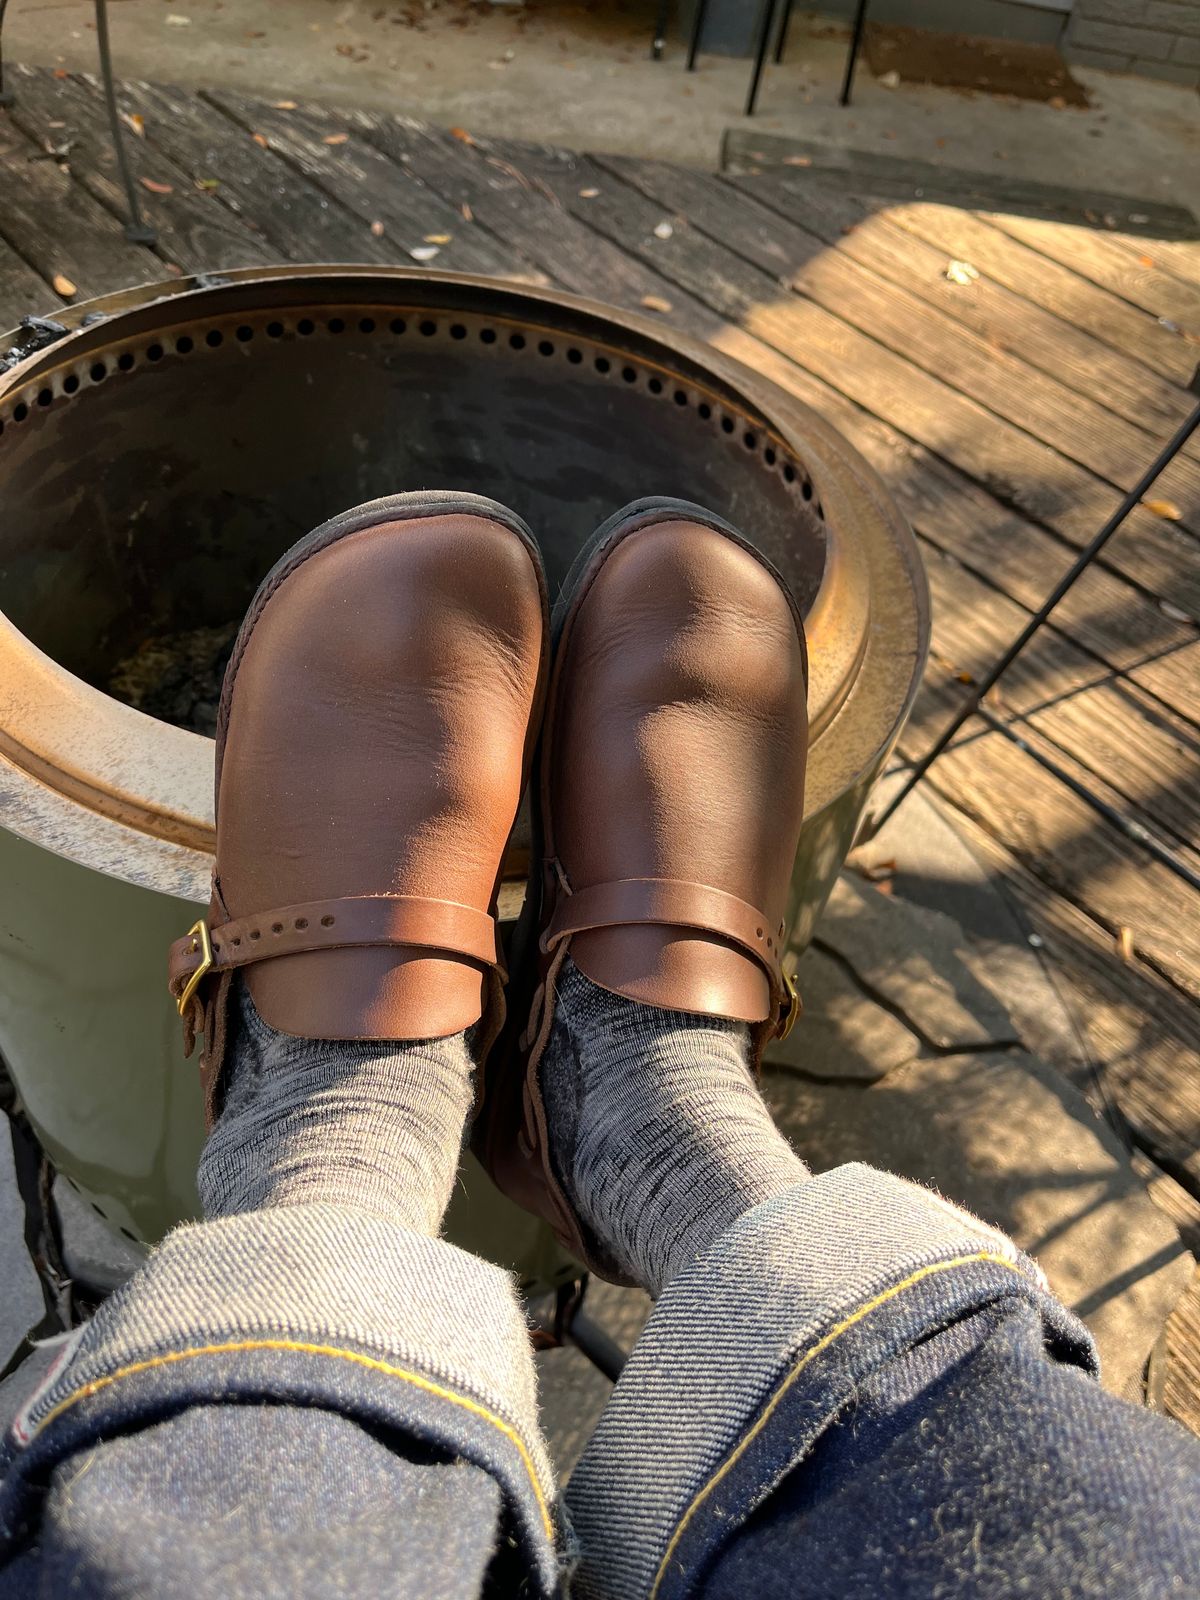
[[697, 29], [766, 17], [137, 229], [660, 30], [781, 36], [6, 95], [856, 38]]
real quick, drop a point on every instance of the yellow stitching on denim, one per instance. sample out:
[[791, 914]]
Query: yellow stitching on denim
[[415, 1378], [809, 1355]]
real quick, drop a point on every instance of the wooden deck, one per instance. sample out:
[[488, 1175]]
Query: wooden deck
[[1006, 415]]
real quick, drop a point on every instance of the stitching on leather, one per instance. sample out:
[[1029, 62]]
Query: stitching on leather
[[416, 1379], [809, 1355]]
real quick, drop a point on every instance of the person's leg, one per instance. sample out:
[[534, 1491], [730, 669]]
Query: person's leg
[[310, 1392], [848, 1386]]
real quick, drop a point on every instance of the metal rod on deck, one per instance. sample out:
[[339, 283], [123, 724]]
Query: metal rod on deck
[[973, 704]]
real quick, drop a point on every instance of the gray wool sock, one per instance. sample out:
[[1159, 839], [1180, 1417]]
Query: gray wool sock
[[658, 1132], [376, 1125]]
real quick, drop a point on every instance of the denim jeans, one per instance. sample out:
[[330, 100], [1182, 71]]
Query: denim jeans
[[858, 1390]]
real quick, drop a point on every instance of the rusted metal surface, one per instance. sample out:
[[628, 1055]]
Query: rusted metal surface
[[160, 453]]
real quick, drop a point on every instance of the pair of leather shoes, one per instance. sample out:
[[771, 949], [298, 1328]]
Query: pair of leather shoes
[[376, 731]]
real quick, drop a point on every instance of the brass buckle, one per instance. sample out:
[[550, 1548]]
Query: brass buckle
[[795, 1007], [199, 932]]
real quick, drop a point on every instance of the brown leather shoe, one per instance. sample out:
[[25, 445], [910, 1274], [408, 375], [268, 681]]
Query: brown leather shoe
[[669, 804], [372, 745]]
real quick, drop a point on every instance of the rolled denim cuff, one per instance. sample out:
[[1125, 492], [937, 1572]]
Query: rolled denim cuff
[[754, 1350], [314, 1305]]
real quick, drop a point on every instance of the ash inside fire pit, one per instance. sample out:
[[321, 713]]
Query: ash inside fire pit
[[177, 676]]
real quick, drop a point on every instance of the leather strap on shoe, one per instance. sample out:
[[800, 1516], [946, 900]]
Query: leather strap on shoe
[[442, 925], [675, 903]]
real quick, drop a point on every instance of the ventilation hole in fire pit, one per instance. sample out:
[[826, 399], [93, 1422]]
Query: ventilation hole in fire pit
[[574, 356], [70, 383], [125, 361], [806, 488], [516, 341], [681, 398], [98, 372], [302, 923], [789, 472], [727, 424], [769, 456], [277, 927], [45, 397], [184, 345], [327, 922], [20, 412], [336, 325], [213, 338], [750, 440], [366, 325], [603, 364], [245, 333], [545, 348], [428, 328], [154, 353], [629, 374], [274, 330], [457, 331], [655, 386], [487, 335], [306, 325], [398, 325]]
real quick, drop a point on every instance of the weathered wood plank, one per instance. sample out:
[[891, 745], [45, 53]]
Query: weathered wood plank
[[1174, 676], [1012, 466], [23, 293], [1105, 316], [1149, 757], [886, 310], [1007, 321], [1096, 257], [379, 191], [298, 219], [195, 232], [58, 228], [1180, 257], [1180, 1395], [1143, 1036]]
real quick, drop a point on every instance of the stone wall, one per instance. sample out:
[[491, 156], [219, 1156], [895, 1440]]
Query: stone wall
[[1156, 38]]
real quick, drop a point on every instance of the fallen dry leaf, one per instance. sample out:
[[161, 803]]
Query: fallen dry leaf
[[961, 272], [260, 138], [1176, 613], [61, 72], [1164, 508], [424, 252], [157, 188], [468, 214], [56, 124], [174, 20], [663, 230], [1125, 944], [655, 302], [133, 120], [377, 229], [461, 133], [335, 138], [438, 238], [588, 194], [794, 161], [877, 871], [890, 80], [63, 285], [1146, 261], [283, 105], [207, 185]]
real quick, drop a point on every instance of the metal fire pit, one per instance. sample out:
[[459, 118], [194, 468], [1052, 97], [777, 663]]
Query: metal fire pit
[[157, 457]]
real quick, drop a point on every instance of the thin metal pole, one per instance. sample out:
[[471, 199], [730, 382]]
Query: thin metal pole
[[766, 17], [697, 29], [860, 22], [1171, 449], [137, 230], [6, 96], [659, 41], [781, 36]]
